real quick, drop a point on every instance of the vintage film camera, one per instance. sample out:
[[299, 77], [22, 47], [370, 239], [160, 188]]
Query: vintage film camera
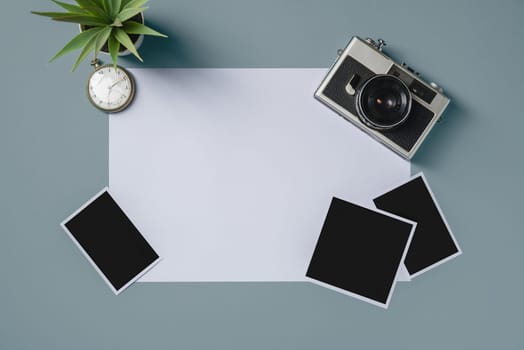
[[387, 100]]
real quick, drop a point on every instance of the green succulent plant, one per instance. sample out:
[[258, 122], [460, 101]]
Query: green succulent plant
[[104, 22]]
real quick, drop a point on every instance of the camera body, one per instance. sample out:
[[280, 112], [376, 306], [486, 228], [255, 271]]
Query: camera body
[[387, 100]]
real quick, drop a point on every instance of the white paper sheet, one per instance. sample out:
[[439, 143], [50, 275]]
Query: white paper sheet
[[229, 172]]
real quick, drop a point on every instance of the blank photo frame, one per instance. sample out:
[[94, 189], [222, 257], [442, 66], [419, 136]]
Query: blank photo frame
[[110, 241], [433, 242], [360, 251]]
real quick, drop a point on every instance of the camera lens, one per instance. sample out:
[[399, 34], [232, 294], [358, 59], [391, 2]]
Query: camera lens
[[383, 102]]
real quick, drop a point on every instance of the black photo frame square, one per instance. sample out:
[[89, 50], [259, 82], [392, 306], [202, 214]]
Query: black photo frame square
[[359, 252], [110, 241], [433, 242]]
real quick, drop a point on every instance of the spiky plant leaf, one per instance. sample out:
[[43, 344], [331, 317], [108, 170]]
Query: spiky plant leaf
[[98, 3], [108, 5], [124, 39], [102, 39], [98, 12], [132, 27], [88, 3], [70, 7], [134, 4], [89, 46], [77, 42], [116, 7], [114, 47], [83, 19], [126, 14], [54, 15]]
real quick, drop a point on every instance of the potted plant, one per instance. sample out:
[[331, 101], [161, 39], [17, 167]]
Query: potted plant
[[112, 26]]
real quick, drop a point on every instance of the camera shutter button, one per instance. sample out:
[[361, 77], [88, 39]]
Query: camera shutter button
[[376, 44], [436, 87]]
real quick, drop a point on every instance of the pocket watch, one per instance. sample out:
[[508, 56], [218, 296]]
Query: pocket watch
[[110, 89]]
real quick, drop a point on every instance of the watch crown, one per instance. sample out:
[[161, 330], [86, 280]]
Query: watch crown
[[95, 63]]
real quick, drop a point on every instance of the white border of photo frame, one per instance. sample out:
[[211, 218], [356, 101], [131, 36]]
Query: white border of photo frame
[[85, 205]]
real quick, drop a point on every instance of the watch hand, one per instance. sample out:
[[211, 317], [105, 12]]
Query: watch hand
[[118, 81]]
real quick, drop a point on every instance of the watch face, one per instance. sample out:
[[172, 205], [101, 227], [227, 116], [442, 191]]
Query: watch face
[[110, 89]]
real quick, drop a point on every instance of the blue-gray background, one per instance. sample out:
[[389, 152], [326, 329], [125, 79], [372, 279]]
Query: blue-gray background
[[54, 154]]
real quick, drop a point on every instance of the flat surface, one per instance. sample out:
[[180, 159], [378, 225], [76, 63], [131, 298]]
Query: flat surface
[[230, 172], [54, 155], [359, 251]]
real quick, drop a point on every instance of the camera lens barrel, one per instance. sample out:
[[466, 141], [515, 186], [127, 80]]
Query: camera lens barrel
[[383, 102]]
